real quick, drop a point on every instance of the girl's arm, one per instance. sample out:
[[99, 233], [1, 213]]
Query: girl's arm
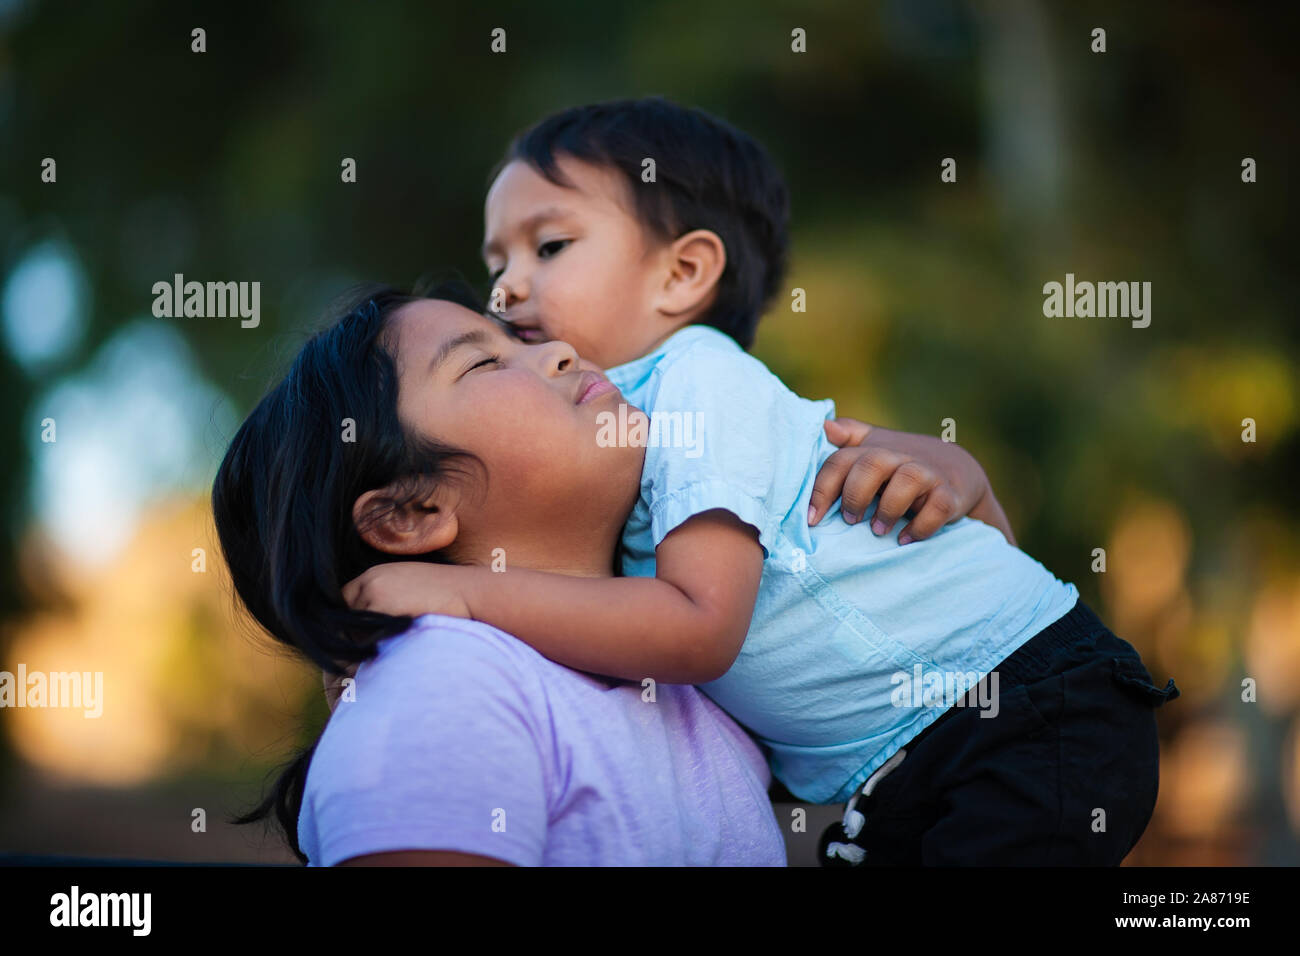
[[684, 626]]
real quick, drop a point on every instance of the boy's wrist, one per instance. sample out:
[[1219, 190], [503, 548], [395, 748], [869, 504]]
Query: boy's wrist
[[989, 510], [471, 587]]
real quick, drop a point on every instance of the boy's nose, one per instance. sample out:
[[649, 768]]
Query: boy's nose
[[514, 286]]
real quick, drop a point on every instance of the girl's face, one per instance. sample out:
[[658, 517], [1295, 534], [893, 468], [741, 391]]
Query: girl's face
[[531, 413]]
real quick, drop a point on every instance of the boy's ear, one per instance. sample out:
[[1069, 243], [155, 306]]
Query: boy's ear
[[695, 264], [422, 526]]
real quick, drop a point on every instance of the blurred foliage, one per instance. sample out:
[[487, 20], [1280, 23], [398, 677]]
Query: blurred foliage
[[924, 298]]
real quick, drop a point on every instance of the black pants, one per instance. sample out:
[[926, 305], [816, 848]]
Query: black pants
[[1066, 774]]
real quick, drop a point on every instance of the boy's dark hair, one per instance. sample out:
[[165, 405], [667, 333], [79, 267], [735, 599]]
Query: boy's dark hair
[[709, 175]]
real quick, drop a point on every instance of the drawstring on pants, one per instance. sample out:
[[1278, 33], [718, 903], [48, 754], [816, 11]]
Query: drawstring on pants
[[854, 821]]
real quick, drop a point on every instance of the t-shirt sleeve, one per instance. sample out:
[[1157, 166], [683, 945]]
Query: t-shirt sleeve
[[729, 435], [454, 759]]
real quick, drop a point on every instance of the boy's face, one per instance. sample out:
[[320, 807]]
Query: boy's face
[[574, 262]]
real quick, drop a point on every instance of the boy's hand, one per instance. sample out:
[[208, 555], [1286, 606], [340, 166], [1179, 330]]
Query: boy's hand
[[409, 588], [939, 481]]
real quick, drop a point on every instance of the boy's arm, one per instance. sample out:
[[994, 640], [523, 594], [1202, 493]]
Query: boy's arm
[[939, 481], [684, 626], [989, 510]]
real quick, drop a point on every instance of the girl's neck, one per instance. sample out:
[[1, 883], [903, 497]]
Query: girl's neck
[[593, 558]]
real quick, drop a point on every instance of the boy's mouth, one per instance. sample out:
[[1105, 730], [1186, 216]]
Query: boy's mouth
[[528, 333]]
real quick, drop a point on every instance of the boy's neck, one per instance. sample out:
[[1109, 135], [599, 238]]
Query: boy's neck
[[654, 343]]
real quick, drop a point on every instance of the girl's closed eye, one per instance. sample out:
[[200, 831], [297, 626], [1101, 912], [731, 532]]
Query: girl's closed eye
[[490, 360]]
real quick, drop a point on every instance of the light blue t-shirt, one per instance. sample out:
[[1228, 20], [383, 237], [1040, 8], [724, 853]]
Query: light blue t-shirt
[[850, 631], [464, 738]]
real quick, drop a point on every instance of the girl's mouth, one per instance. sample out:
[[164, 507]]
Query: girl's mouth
[[594, 388]]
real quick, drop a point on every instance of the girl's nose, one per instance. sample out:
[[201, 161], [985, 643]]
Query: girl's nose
[[559, 357]]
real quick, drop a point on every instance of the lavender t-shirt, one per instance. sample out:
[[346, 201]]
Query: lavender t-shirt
[[464, 738]]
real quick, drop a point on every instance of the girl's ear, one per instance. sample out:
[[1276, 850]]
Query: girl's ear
[[695, 264], [417, 527]]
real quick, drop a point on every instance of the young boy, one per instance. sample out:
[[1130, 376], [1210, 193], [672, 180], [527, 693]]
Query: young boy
[[836, 648]]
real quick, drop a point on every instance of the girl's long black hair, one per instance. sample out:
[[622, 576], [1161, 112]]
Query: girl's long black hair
[[282, 498]]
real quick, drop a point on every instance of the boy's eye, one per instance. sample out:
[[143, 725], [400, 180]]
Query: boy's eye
[[548, 249]]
